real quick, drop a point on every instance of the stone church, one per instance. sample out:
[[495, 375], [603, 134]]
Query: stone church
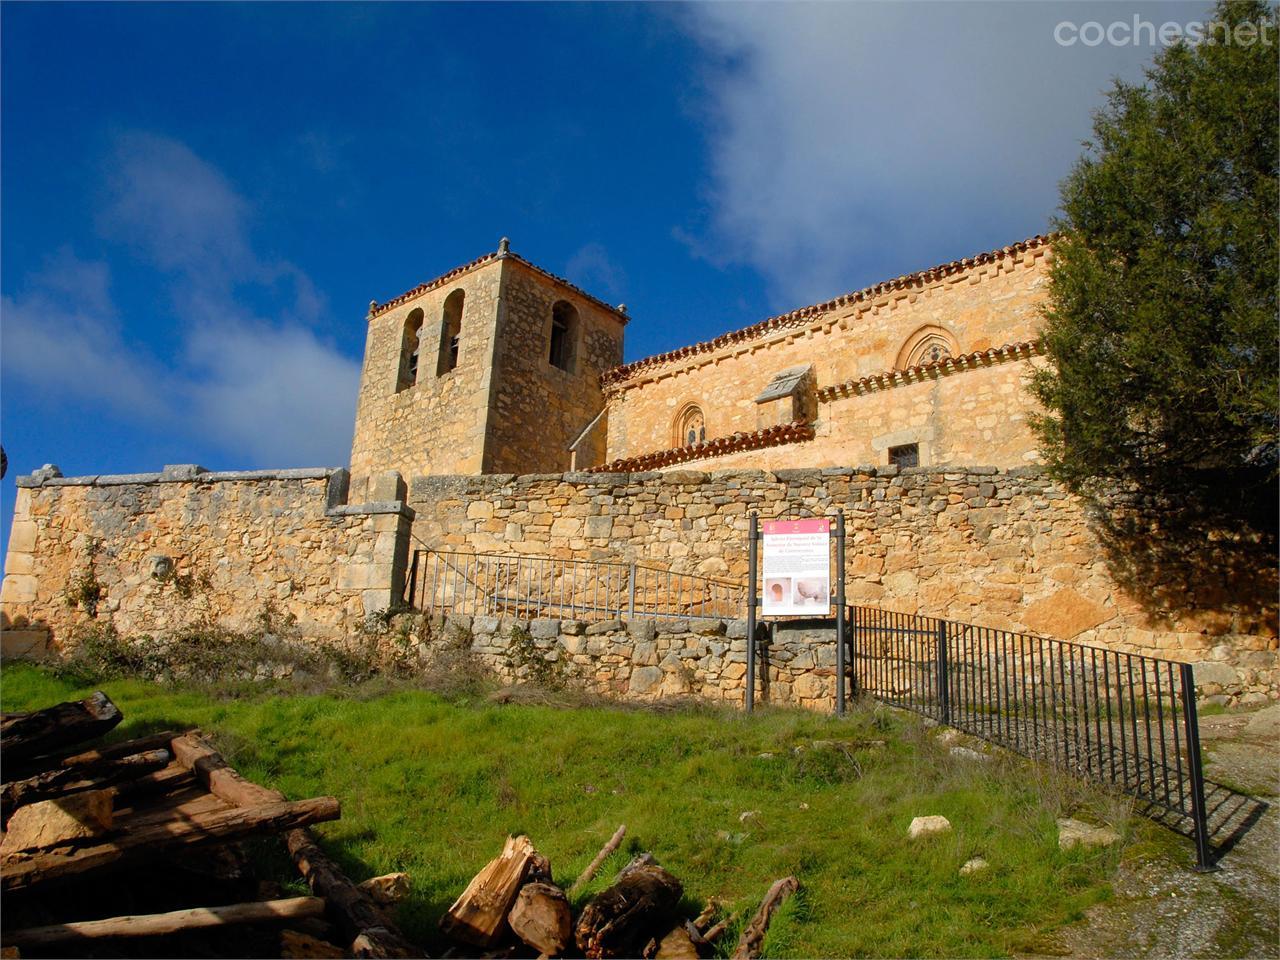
[[500, 367]]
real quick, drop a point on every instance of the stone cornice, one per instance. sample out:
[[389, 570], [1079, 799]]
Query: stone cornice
[[931, 371], [719, 447], [617, 378]]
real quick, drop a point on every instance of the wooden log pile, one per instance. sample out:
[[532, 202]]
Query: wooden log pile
[[512, 907], [156, 819]]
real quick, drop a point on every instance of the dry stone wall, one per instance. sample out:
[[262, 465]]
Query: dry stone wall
[[1005, 549], [159, 553], [651, 659]]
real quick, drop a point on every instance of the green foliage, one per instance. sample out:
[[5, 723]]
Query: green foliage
[[531, 664], [85, 591], [1162, 327], [432, 785]]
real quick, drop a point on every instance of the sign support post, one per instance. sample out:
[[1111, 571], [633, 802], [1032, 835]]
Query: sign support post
[[840, 665], [752, 546]]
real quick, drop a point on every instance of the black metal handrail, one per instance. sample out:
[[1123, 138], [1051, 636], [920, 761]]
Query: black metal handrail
[[530, 586], [1120, 718]]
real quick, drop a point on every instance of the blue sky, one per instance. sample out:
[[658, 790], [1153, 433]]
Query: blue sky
[[200, 200]]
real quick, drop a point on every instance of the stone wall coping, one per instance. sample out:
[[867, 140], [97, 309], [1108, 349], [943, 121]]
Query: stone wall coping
[[465, 482], [374, 508], [39, 479]]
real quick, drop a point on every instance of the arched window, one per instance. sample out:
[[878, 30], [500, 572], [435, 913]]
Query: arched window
[[690, 426], [410, 342], [929, 344], [450, 332], [563, 349]]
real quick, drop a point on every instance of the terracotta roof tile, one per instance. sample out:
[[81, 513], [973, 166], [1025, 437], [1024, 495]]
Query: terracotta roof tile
[[802, 315], [376, 309], [718, 447], [926, 371]]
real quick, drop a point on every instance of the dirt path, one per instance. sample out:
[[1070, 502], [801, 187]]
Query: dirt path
[[1163, 909]]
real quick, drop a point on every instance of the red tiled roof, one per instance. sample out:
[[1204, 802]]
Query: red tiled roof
[[719, 447], [377, 309], [925, 371], [802, 315]]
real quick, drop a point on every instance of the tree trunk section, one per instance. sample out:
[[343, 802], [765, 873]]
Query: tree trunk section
[[541, 918], [160, 924], [66, 780], [159, 839], [27, 735], [371, 933], [619, 921], [479, 916]]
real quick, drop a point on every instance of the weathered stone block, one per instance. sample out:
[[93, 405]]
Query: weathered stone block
[[544, 629]]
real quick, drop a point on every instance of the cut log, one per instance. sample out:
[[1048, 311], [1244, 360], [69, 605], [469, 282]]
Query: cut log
[[67, 780], [26, 735], [359, 918], [479, 916], [87, 760], [540, 917], [355, 913], [79, 817], [752, 940], [23, 871], [161, 924], [619, 921], [601, 857], [386, 890], [296, 944]]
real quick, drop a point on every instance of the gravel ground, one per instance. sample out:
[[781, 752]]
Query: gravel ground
[[1162, 908]]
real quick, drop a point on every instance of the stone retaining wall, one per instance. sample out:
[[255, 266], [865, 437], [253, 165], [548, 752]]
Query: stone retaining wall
[[162, 552], [650, 659], [1005, 549]]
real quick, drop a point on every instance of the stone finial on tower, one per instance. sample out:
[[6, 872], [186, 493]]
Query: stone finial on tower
[[504, 247], [373, 305]]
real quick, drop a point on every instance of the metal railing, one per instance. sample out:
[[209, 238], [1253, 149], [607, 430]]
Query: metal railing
[[1120, 718], [480, 584]]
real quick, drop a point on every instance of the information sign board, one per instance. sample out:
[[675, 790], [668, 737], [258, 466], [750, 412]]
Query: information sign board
[[796, 567]]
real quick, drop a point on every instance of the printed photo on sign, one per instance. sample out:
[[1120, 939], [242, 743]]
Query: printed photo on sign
[[796, 567]]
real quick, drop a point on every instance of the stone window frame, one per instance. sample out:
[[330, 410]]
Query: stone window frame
[[563, 347], [451, 331], [410, 362], [929, 339], [690, 416]]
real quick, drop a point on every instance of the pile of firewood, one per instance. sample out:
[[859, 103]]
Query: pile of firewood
[[513, 903], [157, 821]]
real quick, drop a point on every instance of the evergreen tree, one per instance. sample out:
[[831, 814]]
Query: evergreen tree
[[1161, 329]]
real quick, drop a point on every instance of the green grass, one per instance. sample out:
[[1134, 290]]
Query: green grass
[[431, 785]]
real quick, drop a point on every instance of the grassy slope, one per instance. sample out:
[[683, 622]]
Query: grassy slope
[[430, 786]]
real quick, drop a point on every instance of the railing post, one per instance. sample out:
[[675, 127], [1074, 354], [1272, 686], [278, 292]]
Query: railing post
[[1204, 860], [840, 664], [631, 594], [944, 675], [413, 578], [751, 612]]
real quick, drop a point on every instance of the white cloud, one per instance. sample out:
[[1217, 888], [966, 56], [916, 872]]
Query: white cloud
[[591, 268], [854, 141], [268, 392]]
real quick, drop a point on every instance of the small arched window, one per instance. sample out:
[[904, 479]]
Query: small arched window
[[563, 348], [410, 343], [929, 344], [691, 426], [450, 332]]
